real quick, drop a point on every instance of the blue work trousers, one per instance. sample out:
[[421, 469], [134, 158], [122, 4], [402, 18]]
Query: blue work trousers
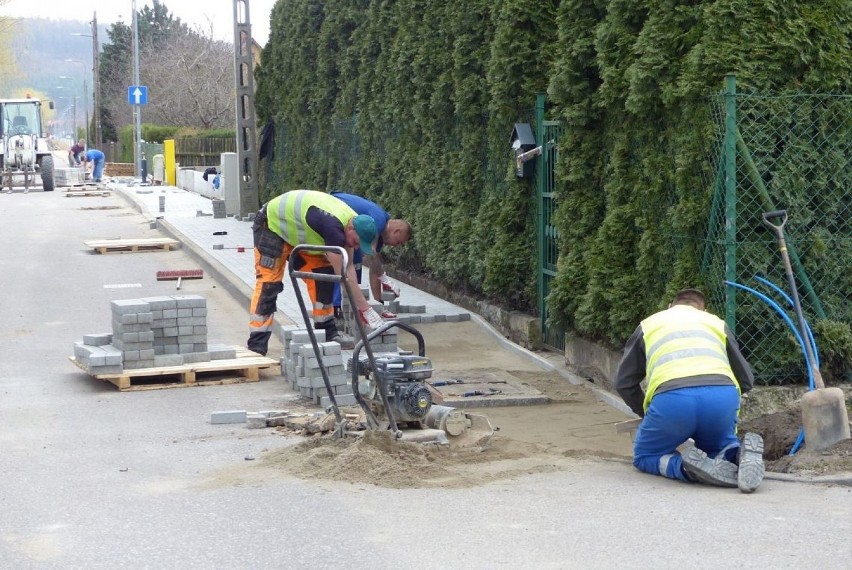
[[707, 414]]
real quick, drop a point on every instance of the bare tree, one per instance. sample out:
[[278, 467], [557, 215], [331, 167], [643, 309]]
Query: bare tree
[[7, 60], [191, 81]]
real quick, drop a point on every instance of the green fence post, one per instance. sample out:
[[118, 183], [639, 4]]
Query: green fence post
[[730, 150], [540, 182]]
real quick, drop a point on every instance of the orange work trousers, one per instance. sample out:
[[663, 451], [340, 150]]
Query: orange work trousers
[[269, 282]]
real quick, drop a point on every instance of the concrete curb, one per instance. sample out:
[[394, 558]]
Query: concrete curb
[[841, 479]]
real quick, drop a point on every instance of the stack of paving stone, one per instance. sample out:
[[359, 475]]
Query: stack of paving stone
[[300, 367], [219, 209], [68, 176], [96, 353], [386, 342], [408, 314], [152, 332]]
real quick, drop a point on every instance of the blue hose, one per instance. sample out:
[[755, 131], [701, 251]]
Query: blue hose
[[786, 318], [801, 438], [798, 336], [787, 298]]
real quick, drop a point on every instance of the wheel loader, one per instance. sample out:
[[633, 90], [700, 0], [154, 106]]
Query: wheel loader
[[25, 157]]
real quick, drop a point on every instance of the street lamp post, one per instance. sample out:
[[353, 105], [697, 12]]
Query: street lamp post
[[74, 114], [96, 84], [63, 117], [137, 108], [85, 99]]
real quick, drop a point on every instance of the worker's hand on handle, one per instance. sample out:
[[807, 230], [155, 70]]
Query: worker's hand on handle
[[370, 318], [388, 284]]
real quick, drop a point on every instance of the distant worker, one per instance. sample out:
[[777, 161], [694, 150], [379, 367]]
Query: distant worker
[[391, 232], [307, 217], [74, 152], [695, 375], [96, 157]]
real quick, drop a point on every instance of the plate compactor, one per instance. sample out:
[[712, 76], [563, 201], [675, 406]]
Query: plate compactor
[[390, 388]]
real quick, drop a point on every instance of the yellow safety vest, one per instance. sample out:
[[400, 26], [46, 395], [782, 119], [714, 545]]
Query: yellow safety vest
[[683, 341], [285, 215]]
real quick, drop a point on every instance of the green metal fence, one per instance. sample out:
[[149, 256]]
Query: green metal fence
[[772, 152], [547, 249]]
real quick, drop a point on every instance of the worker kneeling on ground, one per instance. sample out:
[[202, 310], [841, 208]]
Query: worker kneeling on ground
[[306, 217], [695, 374]]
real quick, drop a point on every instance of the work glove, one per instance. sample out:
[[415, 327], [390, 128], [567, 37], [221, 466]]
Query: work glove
[[370, 318], [388, 284]]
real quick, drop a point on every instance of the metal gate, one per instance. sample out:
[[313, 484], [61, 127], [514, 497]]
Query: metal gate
[[547, 138]]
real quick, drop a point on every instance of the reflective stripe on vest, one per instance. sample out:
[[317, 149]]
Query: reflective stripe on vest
[[286, 215], [681, 342]]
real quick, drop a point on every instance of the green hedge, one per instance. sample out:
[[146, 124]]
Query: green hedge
[[411, 103], [159, 133]]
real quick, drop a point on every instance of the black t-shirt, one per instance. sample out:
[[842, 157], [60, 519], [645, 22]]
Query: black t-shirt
[[327, 226]]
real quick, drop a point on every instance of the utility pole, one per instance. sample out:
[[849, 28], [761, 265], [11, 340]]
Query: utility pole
[[96, 84], [86, 107], [96, 79], [246, 123]]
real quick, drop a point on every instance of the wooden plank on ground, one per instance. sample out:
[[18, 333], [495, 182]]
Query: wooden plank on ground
[[244, 368], [132, 245], [86, 193]]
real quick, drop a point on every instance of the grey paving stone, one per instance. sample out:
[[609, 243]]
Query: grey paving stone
[[228, 417]]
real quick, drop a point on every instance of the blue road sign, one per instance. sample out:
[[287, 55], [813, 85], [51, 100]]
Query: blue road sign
[[137, 95]]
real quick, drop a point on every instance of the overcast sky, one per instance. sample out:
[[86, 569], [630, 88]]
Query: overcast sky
[[218, 12]]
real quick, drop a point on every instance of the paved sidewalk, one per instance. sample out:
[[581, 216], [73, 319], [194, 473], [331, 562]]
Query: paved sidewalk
[[235, 270], [181, 220], [181, 217]]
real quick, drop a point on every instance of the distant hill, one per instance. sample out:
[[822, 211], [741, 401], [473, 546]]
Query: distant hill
[[39, 49]]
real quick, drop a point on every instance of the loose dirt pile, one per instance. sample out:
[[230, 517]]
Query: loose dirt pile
[[531, 439], [780, 431], [378, 459]]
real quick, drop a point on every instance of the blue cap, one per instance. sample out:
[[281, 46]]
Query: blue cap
[[365, 227]]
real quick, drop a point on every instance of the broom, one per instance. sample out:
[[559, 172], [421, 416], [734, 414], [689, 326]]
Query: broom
[[180, 275]]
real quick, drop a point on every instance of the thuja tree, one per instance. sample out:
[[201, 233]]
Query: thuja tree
[[411, 102], [428, 93], [632, 82]]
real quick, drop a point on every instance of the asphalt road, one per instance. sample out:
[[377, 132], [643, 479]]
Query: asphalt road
[[96, 478]]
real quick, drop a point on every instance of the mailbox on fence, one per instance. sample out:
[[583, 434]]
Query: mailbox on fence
[[523, 140]]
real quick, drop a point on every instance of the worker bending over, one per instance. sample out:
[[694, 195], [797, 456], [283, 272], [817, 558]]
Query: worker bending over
[[96, 158], [306, 217], [391, 231], [695, 375]]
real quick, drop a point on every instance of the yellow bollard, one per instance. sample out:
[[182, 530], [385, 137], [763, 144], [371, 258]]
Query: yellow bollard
[[169, 152]]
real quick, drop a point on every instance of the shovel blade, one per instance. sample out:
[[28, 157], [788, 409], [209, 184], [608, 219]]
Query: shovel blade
[[824, 418]]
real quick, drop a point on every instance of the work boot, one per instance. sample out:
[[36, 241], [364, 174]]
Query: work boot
[[699, 467], [752, 469], [345, 341]]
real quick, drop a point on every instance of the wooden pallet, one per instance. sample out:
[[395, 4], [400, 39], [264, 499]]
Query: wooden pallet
[[244, 368], [85, 193], [132, 245]]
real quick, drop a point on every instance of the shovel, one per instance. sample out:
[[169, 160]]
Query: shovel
[[824, 416]]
